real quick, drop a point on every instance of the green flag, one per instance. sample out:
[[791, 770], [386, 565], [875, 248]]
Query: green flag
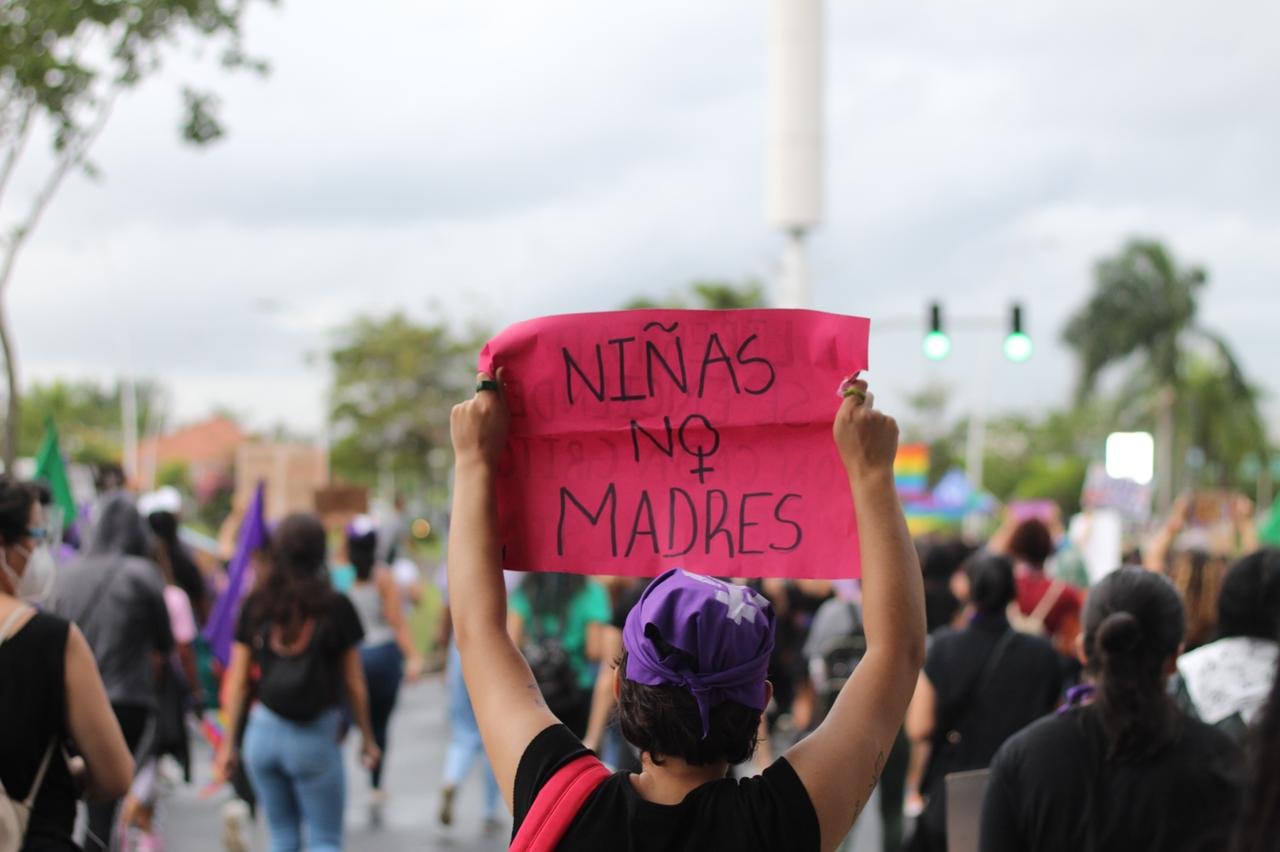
[[1270, 532], [50, 468]]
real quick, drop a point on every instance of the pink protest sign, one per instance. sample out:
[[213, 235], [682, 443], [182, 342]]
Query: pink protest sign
[[643, 440]]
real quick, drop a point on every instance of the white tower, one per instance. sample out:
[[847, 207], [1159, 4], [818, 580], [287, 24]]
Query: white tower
[[794, 136]]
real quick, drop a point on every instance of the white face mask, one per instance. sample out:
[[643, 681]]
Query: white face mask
[[37, 580]]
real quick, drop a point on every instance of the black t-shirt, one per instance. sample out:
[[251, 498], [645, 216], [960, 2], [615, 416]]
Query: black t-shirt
[[1025, 684], [33, 712], [301, 686], [1051, 788], [770, 811]]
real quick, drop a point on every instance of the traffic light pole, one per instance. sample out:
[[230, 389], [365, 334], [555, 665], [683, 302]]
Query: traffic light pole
[[976, 433]]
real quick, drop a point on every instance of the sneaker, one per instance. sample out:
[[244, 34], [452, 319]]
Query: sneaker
[[235, 819], [446, 805]]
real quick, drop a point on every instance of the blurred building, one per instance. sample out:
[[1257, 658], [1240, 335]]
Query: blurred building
[[206, 449]]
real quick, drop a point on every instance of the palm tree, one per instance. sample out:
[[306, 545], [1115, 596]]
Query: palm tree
[[1143, 313]]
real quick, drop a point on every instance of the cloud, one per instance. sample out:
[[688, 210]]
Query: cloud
[[499, 160]]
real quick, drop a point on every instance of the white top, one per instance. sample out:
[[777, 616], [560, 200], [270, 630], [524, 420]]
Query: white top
[[1229, 676]]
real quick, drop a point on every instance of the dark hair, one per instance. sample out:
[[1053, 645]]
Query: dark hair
[[1249, 600], [941, 559], [109, 477], [362, 550], [1031, 542], [182, 569], [550, 594], [1260, 817], [1133, 624], [296, 587], [991, 584], [16, 500], [664, 721]]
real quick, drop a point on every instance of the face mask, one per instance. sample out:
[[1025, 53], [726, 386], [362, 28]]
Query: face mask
[[37, 580]]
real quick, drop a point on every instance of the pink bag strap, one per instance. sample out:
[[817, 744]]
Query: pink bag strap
[[557, 803]]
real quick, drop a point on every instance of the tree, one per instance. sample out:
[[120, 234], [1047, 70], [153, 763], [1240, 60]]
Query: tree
[[1142, 314], [709, 295], [394, 382], [63, 65], [88, 416]]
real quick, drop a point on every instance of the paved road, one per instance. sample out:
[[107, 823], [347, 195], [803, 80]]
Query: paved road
[[409, 818], [409, 822]]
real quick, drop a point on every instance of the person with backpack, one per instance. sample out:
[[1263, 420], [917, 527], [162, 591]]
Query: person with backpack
[[1046, 606], [692, 682], [51, 696], [980, 685], [1121, 767], [304, 637], [558, 621]]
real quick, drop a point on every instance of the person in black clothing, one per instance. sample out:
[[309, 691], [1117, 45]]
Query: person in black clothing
[[980, 685], [1259, 828], [690, 711], [51, 694], [1126, 770]]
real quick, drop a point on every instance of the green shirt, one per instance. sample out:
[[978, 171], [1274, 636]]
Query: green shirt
[[589, 605]]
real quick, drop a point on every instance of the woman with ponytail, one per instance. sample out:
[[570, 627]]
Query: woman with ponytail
[[1121, 767]]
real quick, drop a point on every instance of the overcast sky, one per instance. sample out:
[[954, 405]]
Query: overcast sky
[[501, 160]]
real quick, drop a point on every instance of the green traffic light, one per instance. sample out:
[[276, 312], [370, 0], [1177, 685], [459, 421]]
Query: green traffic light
[[1017, 347], [936, 346]]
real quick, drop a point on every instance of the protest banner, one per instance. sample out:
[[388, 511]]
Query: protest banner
[[643, 440]]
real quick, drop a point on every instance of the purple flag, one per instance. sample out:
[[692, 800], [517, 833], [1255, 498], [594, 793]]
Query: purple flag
[[221, 628]]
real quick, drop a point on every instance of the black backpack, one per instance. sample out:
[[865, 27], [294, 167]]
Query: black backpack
[[553, 670], [840, 656]]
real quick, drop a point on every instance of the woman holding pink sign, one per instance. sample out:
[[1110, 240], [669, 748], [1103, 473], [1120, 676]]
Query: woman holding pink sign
[[691, 682]]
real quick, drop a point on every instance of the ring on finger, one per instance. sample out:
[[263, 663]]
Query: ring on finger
[[854, 390], [487, 385]]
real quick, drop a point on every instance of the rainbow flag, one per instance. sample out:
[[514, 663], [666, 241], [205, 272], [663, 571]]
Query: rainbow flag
[[911, 471]]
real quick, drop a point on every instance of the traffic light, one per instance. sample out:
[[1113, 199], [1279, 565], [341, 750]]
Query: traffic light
[[1017, 345], [936, 343]]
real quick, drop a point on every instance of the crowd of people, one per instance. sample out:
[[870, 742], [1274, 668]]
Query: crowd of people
[[1140, 711]]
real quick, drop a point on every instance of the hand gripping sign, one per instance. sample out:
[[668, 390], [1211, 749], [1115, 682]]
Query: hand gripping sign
[[643, 440]]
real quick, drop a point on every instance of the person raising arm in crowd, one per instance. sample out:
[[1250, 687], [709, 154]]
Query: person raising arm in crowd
[[691, 684]]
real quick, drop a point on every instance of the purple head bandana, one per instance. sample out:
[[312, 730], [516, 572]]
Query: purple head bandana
[[722, 636]]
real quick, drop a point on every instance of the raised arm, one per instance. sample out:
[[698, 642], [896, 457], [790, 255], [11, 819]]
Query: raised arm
[[509, 708], [840, 762]]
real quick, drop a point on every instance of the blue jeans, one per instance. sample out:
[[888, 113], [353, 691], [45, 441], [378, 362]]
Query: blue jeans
[[296, 769], [464, 738]]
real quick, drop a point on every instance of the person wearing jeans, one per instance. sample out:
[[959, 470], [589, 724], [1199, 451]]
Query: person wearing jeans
[[297, 773], [387, 652], [464, 748], [304, 638]]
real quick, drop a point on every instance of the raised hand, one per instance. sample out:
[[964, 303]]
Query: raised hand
[[866, 438], [479, 425]]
